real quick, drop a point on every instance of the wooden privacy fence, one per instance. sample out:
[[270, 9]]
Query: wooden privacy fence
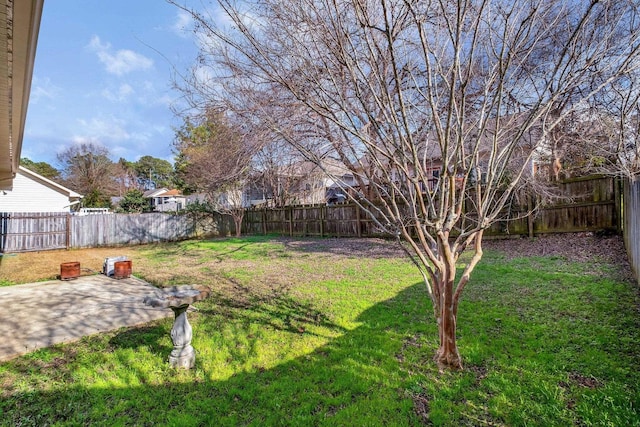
[[22, 232], [587, 204], [631, 228], [33, 231], [128, 229]]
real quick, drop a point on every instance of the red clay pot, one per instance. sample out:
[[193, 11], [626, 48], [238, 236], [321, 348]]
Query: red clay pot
[[122, 269]]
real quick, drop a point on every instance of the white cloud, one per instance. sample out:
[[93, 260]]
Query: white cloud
[[102, 129], [78, 140], [204, 76], [120, 94], [120, 62], [42, 88], [151, 96], [182, 24]]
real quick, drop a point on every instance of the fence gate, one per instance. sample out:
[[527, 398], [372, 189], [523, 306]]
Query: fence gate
[[34, 231]]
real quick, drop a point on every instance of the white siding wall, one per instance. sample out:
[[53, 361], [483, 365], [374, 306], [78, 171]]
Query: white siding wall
[[28, 195]]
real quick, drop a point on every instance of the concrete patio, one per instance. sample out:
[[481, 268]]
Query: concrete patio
[[38, 315]]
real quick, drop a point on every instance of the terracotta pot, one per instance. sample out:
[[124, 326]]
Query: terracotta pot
[[122, 269], [69, 270]]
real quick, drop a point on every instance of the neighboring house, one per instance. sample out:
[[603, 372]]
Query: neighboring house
[[19, 27], [34, 193], [165, 200], [302, 183], [195, 198]]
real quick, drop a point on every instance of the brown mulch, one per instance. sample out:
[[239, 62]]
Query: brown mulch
[[594, 248], [580, 247], [350, 247], [45, 265], [589, 247]]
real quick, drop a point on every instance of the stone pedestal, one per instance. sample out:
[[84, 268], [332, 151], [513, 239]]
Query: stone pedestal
[[183, 354], [178, 298]]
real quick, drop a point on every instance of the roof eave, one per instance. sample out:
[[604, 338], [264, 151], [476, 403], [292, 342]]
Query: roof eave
[[19, 28]]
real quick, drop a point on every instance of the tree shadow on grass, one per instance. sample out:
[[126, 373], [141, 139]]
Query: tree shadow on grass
[[271, 307], [150, 336], [379, 373], [354, 379]]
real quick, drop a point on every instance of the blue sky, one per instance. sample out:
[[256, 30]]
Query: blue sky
[[103, 75]]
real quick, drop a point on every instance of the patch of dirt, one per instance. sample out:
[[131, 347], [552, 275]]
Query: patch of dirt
[[588, 247], [581, 247], [349, 247], [45, 265], [580, 380], [479, 371], [421, 406]]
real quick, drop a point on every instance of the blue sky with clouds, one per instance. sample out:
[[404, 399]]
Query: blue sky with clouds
[[103, 74]]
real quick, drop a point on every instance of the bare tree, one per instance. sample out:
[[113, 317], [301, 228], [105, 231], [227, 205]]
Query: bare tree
[[278, 176], [88, 169], [609, 131], [215, 158], [439, 108]]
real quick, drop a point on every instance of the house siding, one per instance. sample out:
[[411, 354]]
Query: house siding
[[28, 195]]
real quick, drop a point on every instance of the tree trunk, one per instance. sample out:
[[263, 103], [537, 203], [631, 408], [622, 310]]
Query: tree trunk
[[447, 356], [237, 220]]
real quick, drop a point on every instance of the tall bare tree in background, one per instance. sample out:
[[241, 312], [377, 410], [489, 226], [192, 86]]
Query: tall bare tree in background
[[601, 136], [214, 158], [439, 108], [277, 175], [609, 131], [87, 169]]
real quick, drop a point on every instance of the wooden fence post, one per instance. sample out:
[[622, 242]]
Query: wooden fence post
[[68, 232], [305, 224], [530, 222], [617, 183], [290, 210]]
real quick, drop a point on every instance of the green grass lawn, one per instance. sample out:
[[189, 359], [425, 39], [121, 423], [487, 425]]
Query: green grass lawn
[[300, 335]]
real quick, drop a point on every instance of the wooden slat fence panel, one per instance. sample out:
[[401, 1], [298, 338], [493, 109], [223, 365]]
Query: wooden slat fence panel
[[587, 204], [254, 222], [33, 231], [22, 232], [631, 226], [128, 229]]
